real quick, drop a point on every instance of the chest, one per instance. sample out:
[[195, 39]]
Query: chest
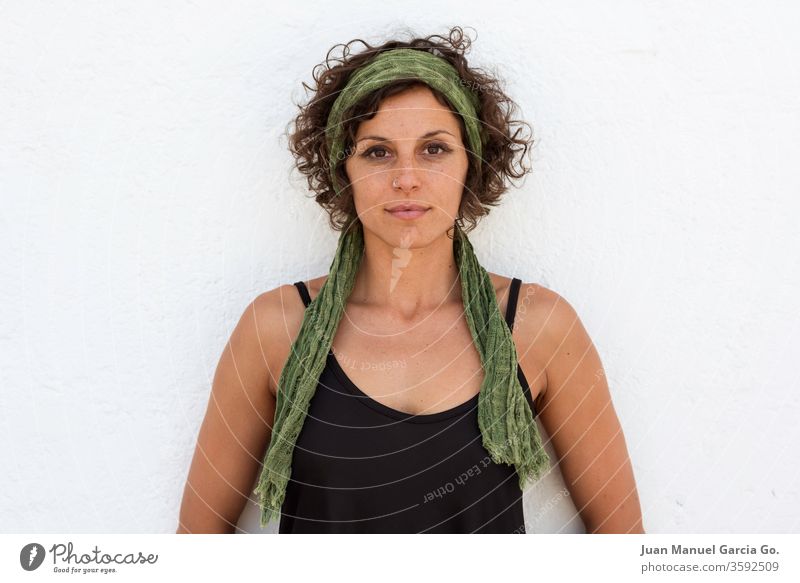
[[424, 368]]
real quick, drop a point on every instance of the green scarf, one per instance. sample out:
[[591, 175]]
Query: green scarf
[[506, 422]]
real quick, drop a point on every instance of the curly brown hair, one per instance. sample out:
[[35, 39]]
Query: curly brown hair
[[505, 148]]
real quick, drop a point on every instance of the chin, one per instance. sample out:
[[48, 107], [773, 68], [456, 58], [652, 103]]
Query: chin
[[407, 234]]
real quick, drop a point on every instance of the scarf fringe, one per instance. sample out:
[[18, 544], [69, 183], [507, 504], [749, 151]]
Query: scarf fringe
[[270, 494]]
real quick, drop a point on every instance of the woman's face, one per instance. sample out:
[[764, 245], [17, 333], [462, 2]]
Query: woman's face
[[414, 142]]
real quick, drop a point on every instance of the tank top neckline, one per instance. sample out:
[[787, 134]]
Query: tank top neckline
[[368, 401], [394, 413]]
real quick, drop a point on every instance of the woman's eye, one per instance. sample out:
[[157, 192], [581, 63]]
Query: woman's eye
[[368, 153], [441, 147]]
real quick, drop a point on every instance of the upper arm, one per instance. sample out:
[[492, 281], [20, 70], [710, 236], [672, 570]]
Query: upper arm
[[579, 417], [237, 426]]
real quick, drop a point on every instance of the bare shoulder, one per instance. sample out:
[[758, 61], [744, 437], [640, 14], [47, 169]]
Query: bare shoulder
[[542, 321], [548, 313], [278, 315], [276, 309], [280, 302], [532, 300], [543, 315], [551, 328]]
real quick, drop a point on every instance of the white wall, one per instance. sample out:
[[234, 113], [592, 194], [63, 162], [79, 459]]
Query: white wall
[[147, 198]]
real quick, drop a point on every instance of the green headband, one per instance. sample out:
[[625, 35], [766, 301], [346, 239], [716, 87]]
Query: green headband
[[391, 66]]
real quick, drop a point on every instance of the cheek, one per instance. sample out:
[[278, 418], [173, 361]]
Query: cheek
[[363, 179], [455, 177], [455, 170], [368, 208], [451, 181]]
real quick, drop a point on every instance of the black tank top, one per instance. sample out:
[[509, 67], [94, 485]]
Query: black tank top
[[362, 467]]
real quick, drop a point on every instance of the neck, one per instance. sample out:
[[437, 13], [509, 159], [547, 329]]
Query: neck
[[404, 282]]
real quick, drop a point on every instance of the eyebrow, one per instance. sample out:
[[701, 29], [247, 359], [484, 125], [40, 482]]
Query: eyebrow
[[422, 137]]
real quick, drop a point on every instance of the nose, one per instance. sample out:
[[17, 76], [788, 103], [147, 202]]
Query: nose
[[406, 176]]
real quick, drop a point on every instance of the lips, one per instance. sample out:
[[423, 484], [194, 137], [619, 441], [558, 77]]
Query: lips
[[407, 211], [407, 207]]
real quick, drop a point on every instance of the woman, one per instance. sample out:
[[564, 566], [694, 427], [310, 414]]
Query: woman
[[398, 392]]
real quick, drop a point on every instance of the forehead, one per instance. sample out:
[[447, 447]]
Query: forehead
[[416, 106]]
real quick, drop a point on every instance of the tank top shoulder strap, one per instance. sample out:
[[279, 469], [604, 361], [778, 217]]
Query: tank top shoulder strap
[[513, 295], [301, 287]]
